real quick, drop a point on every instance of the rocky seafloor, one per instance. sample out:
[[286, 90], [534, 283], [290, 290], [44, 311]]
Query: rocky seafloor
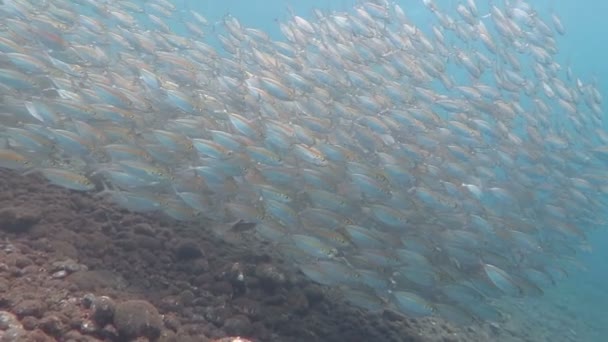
[[74, 267]]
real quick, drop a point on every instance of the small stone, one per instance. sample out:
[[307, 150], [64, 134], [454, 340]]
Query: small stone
[[221, 288], [137, 318], [188, 250], [109, 333], [51, 325], [87, 300], [298, 302], [148, 242], [74, 336], [29, 323], [199, 266], [16, 272], [275, 300], [28, 307], [170, 336], [22, 262], [18, 220], [14, 334], [217, 315], [8, 320], [270, 277], [186, 297], [31, 269], [236, 276], [127, 244], [59, 274], [9, 248], [260, 331], [171, 322], [237, 325], [143, 229], [314, 294], [39, 336], [95, 280], [88, 327], [103, 310], [170, 303], [6, 300], [68, 265], [246, 306]]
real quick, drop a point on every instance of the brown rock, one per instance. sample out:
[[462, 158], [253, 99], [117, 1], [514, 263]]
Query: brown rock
[[97, 279], [137, 318], [52, 325], [28, 307], [103, 310], [188, 250], [237, 325], [22, 261], [29, 323], [17, 220]]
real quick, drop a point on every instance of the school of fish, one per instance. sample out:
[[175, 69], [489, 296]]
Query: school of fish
[[427, 170]]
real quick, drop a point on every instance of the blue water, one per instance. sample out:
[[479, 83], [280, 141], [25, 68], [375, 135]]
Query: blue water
[[584, 47], [578, 305]]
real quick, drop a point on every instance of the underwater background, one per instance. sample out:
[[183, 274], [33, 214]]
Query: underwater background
[[586, 293], [104, 273]]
